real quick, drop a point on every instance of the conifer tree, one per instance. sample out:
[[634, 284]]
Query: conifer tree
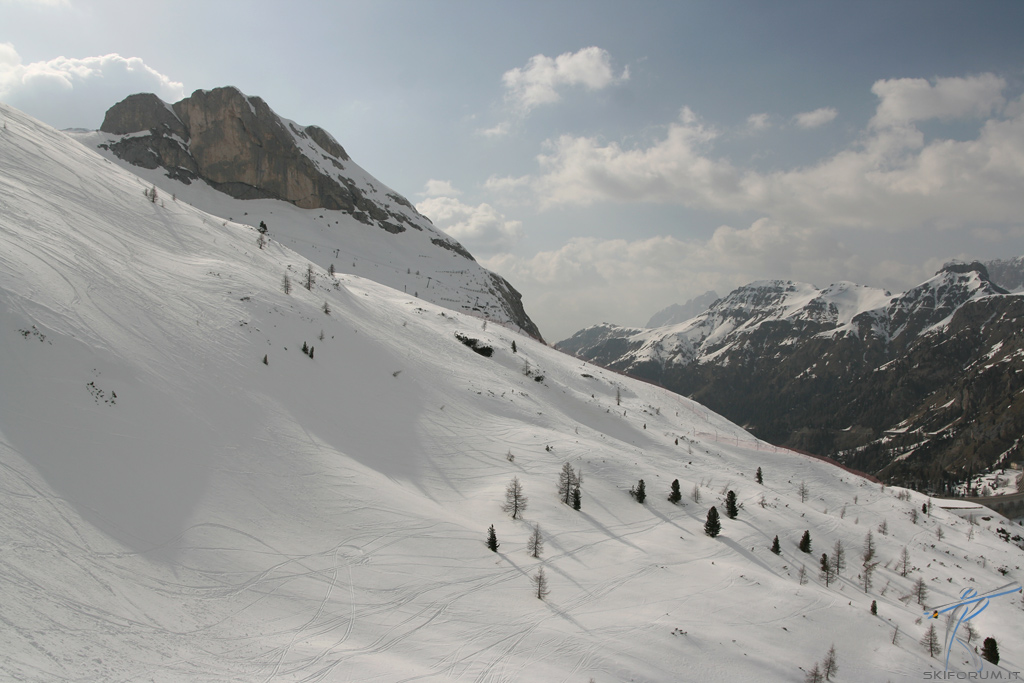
[[265, 359], [675, 496], [713, 526], [309, 278], [874, 608], [758, 476], [515, 500], [514, 349], [827, 572], [286, 284], [838, 557], [639, 491], [731, 511], [535, 544], [540, 583], [869, 548], [930, 640], [775, 546], [920, 591], [311, 351], [805, 542], [566, 482], [492, 539], [829, 666], [814, 675], [903, 564], [305, 348], [990, 650], [576, 497]]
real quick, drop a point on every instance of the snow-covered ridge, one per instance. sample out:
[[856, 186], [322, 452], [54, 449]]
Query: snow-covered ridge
[[232, 156]]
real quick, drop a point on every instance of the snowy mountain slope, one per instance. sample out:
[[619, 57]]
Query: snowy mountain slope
[[174, 509], [232, 156], [834, 370]]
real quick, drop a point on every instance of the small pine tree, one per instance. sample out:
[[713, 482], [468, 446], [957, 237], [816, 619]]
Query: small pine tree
[[639, 491], [775, 546], [713, 526], [331, 271], [731, 511], [305, 348], [675, 496], [803, 491], [883, 528], [814, 675], [920, 591], [535, 544], [758, 477], [327, 308], [802, 575], [838, 557], [805, 542], [492, 539], [874, 608], [311, 351], [695, 493], [566, 482], [827, 572], [903, 564], [286, 284], [515, 500], [309, 278], [576, 497], [990, 650], [263, 227], [930, 640], [829, 666], [540, 583], [261, 241], [514, 349], [265, 359], [869, 548]]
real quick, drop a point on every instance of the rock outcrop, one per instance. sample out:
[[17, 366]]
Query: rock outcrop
[[239, 146]]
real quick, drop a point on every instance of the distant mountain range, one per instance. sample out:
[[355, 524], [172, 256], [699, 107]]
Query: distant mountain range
[[229, 154], [921, 387]]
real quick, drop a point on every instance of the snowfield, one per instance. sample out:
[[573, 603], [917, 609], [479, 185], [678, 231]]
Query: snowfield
[[174, 509]]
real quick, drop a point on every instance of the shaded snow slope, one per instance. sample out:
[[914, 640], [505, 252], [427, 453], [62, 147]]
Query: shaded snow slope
[[175, 509]]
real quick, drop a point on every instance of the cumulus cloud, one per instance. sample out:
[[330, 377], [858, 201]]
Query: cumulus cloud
[[818, 117], [756, 122], [439, 188], [482, 228], [589, 280], [905, 100], [66, 92], [890, 178], [540, 81]]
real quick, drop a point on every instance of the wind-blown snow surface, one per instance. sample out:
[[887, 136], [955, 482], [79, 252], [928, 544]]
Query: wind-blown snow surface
[[173, 509]]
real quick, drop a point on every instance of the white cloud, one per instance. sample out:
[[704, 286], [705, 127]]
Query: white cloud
[[905, 100], [67, 92], [482, 229], [540, 81], [818, 117], [498, 131], [757, 122], [589, 280], [891, 178], [439, 188]]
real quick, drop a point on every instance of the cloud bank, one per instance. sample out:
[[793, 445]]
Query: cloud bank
[[481, 228], [67, 93]]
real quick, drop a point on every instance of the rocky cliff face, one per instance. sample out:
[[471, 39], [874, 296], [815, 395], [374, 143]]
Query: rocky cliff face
[[237, 145], [915, 387]]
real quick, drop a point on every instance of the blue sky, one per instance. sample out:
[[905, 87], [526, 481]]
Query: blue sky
[[609, 158]]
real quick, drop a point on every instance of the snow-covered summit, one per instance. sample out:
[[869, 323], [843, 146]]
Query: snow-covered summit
[[233, 156]]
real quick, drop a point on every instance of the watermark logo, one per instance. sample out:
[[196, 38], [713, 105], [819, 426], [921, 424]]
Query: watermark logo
[[970, 605]]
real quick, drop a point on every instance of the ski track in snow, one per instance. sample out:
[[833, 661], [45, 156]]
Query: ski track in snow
[[323, 519]]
